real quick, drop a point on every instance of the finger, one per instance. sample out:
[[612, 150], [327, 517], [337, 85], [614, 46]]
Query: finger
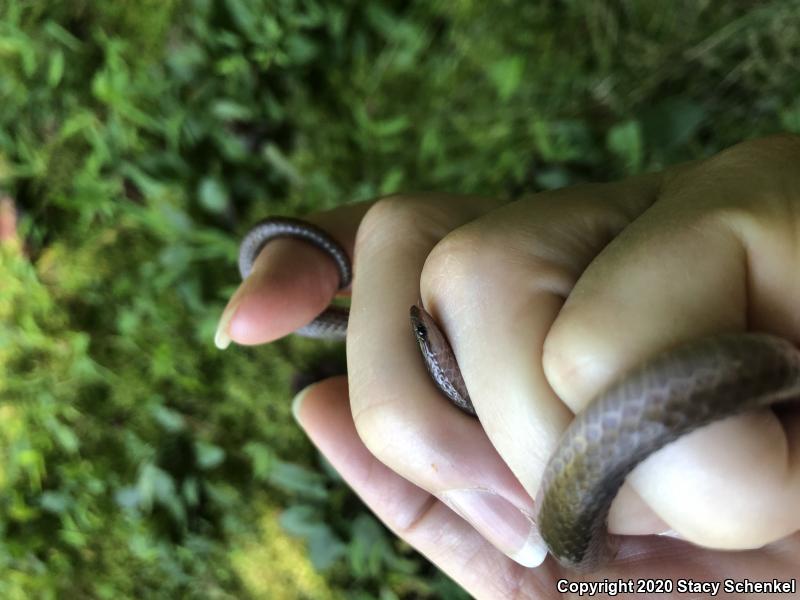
[[497, 284], [413, 514], [427, 525], [717, 252], [399, 414], [290, 284]]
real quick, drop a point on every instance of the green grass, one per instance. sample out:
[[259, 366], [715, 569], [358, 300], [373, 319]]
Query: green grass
[[140, 139]]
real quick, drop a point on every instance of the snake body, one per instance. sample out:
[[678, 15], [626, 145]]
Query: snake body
[[665, 398]]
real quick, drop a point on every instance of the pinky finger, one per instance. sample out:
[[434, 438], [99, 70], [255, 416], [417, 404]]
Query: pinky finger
[[413, 514]]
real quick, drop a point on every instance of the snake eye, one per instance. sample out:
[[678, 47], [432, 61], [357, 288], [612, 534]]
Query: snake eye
[[421, 331]]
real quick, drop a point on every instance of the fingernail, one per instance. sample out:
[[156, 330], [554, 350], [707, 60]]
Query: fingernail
[[221, 338], [508, 528], [671, 533], [297, 401]]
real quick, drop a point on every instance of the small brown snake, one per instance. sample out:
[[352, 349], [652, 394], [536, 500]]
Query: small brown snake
[[663, 399]]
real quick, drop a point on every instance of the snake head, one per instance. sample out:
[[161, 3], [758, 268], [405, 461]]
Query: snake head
[[432, 342], [418, 325], [439, 359]]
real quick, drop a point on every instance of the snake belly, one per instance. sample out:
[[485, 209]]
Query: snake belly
[[665, 398]]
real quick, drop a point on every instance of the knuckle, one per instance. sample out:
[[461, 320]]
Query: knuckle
[[386, 217], [390, 209], [471, 263], [475, 250], [559, 364], [577, 362], [458, 260], [378, 427], [399, 216]]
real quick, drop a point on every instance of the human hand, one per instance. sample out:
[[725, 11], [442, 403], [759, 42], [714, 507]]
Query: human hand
[[695, 250]]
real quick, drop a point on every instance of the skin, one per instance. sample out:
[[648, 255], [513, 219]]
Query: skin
[[592, 280]]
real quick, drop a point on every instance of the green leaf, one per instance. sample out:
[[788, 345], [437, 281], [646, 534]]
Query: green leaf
[[73, 537], [55, 502], [369, 547], [261, 457], [170, 420], [127, 497], [61, 35], [281, 163], [212, 195], [325, 548], [298, 480], [244, 15], [625, 141], [55, 68], [553, 178], [301, 520], [392, 181], [64, 435], [154, 485], [300, 48], [190, 491], [506, 74], [230, 110], [390, 127], [208, 455]]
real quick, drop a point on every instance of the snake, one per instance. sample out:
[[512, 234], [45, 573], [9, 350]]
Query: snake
[[662, 399]]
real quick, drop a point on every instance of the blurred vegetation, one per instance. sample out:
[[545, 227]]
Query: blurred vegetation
[[139, 139]]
